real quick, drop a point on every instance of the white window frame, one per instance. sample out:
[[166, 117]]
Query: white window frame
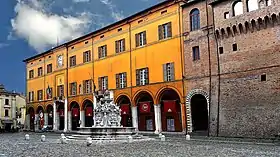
[[142, 73], [87, 83], [141, 39], [121, 80], [103, 83]]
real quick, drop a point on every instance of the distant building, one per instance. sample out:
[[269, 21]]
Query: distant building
[[12, 109]]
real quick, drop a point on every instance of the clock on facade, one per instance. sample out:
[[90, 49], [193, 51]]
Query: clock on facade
[[60, 60]]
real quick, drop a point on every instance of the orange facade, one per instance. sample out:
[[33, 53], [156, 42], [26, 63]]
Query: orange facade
[[143, 67]]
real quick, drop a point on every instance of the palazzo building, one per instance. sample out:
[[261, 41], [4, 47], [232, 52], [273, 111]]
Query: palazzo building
[[139, 58]]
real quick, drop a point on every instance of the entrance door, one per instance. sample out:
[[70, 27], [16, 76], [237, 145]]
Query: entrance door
[[199, 113]]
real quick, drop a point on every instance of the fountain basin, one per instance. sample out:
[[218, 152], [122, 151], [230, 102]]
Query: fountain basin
[[100, 131]]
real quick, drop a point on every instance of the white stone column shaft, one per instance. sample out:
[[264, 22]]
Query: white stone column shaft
[[46, 118], [27, 122], [54, 117], [14, 112], [134, 117], [58, 121], [65, 114], [157, 119], [69, 120], [82, 118]]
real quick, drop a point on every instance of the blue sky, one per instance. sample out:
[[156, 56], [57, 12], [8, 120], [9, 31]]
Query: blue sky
[[29, 27]]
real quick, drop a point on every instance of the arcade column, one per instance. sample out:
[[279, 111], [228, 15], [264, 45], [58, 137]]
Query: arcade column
[[82, 118], [69, 120], [54, 117], [65, 114], [158, 118], [134, 117]]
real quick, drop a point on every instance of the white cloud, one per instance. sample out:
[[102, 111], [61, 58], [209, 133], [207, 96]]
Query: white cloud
[[117, 15], [41, 28], [3, 45], [78, 1]]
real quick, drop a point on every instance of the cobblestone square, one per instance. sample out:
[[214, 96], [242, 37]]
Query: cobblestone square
[[14, 145]]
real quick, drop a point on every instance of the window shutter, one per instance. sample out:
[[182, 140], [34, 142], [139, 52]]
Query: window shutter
[[123, 44], [117, 81], [90, 85], [144, 38], [89, 55], [164, 72], [169, 29], [137, 77], [99, 83], [147, 76], [137, 40], [172, 71], [99, 52], [125, 80], [75, 88], [117, 46], [105, 51], [84, 57], [106, 85], [84, 87], [159, 32]]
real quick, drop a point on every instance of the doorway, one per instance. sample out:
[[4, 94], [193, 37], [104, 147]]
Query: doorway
[[199, 113]]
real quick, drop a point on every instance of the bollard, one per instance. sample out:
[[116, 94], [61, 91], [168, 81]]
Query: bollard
[[63, 140], [129, 139], [27, 137], [188, 137], [43, 138], [62, 135], [89, 141], [159, 135], [162, 138]]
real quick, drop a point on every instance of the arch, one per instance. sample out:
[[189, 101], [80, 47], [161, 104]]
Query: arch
[[49, 111], [229, 32], [126, 113], [266, 21], [260, 23], [252, 5], [61, 115], [86, 102], [217, 34], [121, 96], [40, 108], [163, 89], [194, 19], [75, 115], [274, 19], [88, 109], [73, 104], [223, 32], [31, 113], [234, 28], [188, 105], [253, 24], [247, 27], [240, 27], [135, 96], [237, 8]]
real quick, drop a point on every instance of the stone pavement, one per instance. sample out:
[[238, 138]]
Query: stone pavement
[[14, 145]]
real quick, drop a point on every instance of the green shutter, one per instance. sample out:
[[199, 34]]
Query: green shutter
[[137, 77], [123, 44], [106, 78], [172, 71], [160, 35], [117, 81], [136, 40], [125, 81], [105, 51], [147, 75], [144, 38], [164, 72], [169, 29], [99, 83], [117, 46], [84, 87], [99, 52]]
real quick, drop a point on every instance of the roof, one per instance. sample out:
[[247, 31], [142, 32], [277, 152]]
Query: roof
[[4, 91], [103, 29]]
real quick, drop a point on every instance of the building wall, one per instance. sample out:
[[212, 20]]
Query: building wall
[[21, 108], [248, 106], [10, 107]]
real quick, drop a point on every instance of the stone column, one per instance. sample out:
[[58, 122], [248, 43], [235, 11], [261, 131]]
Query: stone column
[[14, 112], [65, 114], [157, 119], [82, 118], [27, 122], [54, 117], [134, 117], [69, 120], [46, 118]]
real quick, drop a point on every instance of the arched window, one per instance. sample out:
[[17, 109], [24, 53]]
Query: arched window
[[195, 19], [252, 5], [237, 8]]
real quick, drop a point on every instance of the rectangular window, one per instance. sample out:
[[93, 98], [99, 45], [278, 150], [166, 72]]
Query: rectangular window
[[49, 68], [72, 61], [226, 15], [87, 56], [60, 90], [263, 77], [196, 55], [87, 86], [40, 95], [6, 113], [121, 80], [140, 39], [31, 74], [234, 47], [120, 45], [168, 72], [142, 76], [49, 93], [102, 51], [103, 83], [7, 102], [73, 88], [164, 31], [31, 96], [221, 50], [40, 71]]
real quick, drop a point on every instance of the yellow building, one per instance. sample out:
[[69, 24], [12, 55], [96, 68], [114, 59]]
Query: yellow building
[[139, 58]]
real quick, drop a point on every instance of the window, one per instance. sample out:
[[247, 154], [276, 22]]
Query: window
[[164, 31], [86, 42], [142, 76], [6, 113], [140, 39], [7, 102], [102, 36], [168, 72], [120, 45], [268, 2], [49, 93], [234, 47], [140, 21], [163, 12], [252, 5], [87, 86], [121, 80], [49, 68], [120, 29], [87, 56], [237, 8], [72, 61], [196, 55], [60, 90], [73, 88], [103, 83], [31, 96], [72, 47], [221, 50], [263, 77], [40, 95], [40, 71], [102, 51], [31, 74], [195, 19], [226, 15]]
